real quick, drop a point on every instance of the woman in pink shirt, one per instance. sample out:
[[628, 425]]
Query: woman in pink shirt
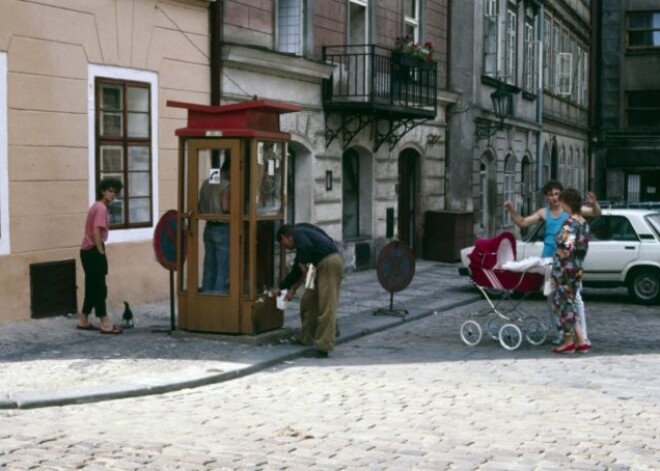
[[94, 261]]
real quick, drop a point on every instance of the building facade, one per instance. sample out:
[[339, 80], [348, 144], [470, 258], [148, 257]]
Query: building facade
[[370, 141], [83, 87], [627, 100], [366, 159], [537, 53]]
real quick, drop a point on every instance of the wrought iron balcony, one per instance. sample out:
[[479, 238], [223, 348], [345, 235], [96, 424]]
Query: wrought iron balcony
[[372, 84], [374, 78]]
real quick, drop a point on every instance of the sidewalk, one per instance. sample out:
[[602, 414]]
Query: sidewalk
[[48, 362]]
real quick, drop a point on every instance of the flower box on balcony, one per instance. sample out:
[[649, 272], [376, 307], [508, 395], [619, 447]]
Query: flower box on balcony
[[411, 61]]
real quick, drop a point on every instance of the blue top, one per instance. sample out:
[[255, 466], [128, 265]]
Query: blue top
[[552, 226]]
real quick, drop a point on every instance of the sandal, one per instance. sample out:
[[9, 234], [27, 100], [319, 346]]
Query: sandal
[[86, 327], [116, 330]]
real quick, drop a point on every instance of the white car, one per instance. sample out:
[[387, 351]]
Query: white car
[[624, 250]]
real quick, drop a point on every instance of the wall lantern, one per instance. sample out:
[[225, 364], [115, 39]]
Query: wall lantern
[[502, 99]]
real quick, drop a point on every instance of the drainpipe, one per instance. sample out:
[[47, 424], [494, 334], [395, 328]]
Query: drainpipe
[[539, 109], [215, 61]]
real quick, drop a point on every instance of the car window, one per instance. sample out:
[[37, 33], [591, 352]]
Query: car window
[[614, 228], [654, 221]]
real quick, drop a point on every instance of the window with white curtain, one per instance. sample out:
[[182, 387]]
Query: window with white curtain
[[290, 26]]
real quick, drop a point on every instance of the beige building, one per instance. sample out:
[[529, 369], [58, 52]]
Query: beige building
[[83, 87]]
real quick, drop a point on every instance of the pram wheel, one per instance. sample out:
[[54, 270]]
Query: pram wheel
[[510, 336], [471, 333], [535, 331]]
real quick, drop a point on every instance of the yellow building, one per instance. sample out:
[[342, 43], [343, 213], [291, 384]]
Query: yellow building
[[83, 87]]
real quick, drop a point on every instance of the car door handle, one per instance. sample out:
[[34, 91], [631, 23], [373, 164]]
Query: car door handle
[[629, 247]]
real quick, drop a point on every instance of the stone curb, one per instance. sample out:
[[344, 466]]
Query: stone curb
[[352, 328]]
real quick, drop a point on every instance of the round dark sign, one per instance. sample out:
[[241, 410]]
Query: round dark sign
[[396, 266], [165, 240]]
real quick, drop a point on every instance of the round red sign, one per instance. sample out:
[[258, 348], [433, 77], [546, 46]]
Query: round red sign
[[165, 240]]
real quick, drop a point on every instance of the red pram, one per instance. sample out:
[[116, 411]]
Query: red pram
[[505, 319]]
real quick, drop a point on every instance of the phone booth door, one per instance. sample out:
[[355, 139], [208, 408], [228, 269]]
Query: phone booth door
[[210, 206]]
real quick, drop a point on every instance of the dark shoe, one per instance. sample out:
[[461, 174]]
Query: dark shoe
[[584, 348], [317, 354], [570, 348]]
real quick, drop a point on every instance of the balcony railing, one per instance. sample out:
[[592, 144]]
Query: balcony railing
[[372, 78]]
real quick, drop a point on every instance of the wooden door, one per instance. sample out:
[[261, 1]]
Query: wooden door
[[211, 287]]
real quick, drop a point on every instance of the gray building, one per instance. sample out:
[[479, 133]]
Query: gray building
[[536, 53], [626, 112]]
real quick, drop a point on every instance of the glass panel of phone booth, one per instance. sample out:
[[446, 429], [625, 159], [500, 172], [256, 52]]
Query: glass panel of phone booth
[[267, 254], [213, 254], [269, 177]]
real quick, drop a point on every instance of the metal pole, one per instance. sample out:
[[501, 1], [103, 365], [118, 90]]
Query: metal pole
[[172, 323]]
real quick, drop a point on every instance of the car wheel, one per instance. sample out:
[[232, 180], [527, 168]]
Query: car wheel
[[644, 286]]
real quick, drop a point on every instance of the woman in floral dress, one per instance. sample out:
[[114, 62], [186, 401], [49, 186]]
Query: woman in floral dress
[[572, 244]]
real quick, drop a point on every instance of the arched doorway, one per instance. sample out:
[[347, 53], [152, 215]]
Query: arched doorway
[[299, 192], [408, 213], [357, 221]]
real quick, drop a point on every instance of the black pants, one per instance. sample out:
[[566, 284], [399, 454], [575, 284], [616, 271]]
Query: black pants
[[95, 265]]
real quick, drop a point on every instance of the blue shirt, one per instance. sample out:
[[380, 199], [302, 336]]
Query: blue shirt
[[552, 227]]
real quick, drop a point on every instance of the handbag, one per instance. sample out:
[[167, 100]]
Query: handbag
[[547, 283]]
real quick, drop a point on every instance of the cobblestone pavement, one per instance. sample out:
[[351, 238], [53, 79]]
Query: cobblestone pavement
[[47, 362], [409, 397]]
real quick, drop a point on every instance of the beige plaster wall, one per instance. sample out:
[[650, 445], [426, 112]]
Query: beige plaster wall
[[49, 46]]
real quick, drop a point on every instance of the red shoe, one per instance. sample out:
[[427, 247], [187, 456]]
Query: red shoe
[[584, 348], [570, 348]]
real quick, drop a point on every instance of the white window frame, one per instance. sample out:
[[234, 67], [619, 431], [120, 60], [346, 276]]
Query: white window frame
[[301, 28], [511, 46], [564, 76], [491, 58], [93, 71], [367, 34], [413, 22], [529, 82], [4, 166]]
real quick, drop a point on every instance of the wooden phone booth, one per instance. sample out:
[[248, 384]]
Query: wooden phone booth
[[231, 201]]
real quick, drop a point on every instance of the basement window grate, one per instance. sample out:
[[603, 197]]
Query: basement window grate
[[53, 288]]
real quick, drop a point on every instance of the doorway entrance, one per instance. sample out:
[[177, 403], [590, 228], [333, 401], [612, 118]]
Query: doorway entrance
[[409, 162]]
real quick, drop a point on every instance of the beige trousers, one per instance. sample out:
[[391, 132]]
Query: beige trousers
[[318, 307]]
